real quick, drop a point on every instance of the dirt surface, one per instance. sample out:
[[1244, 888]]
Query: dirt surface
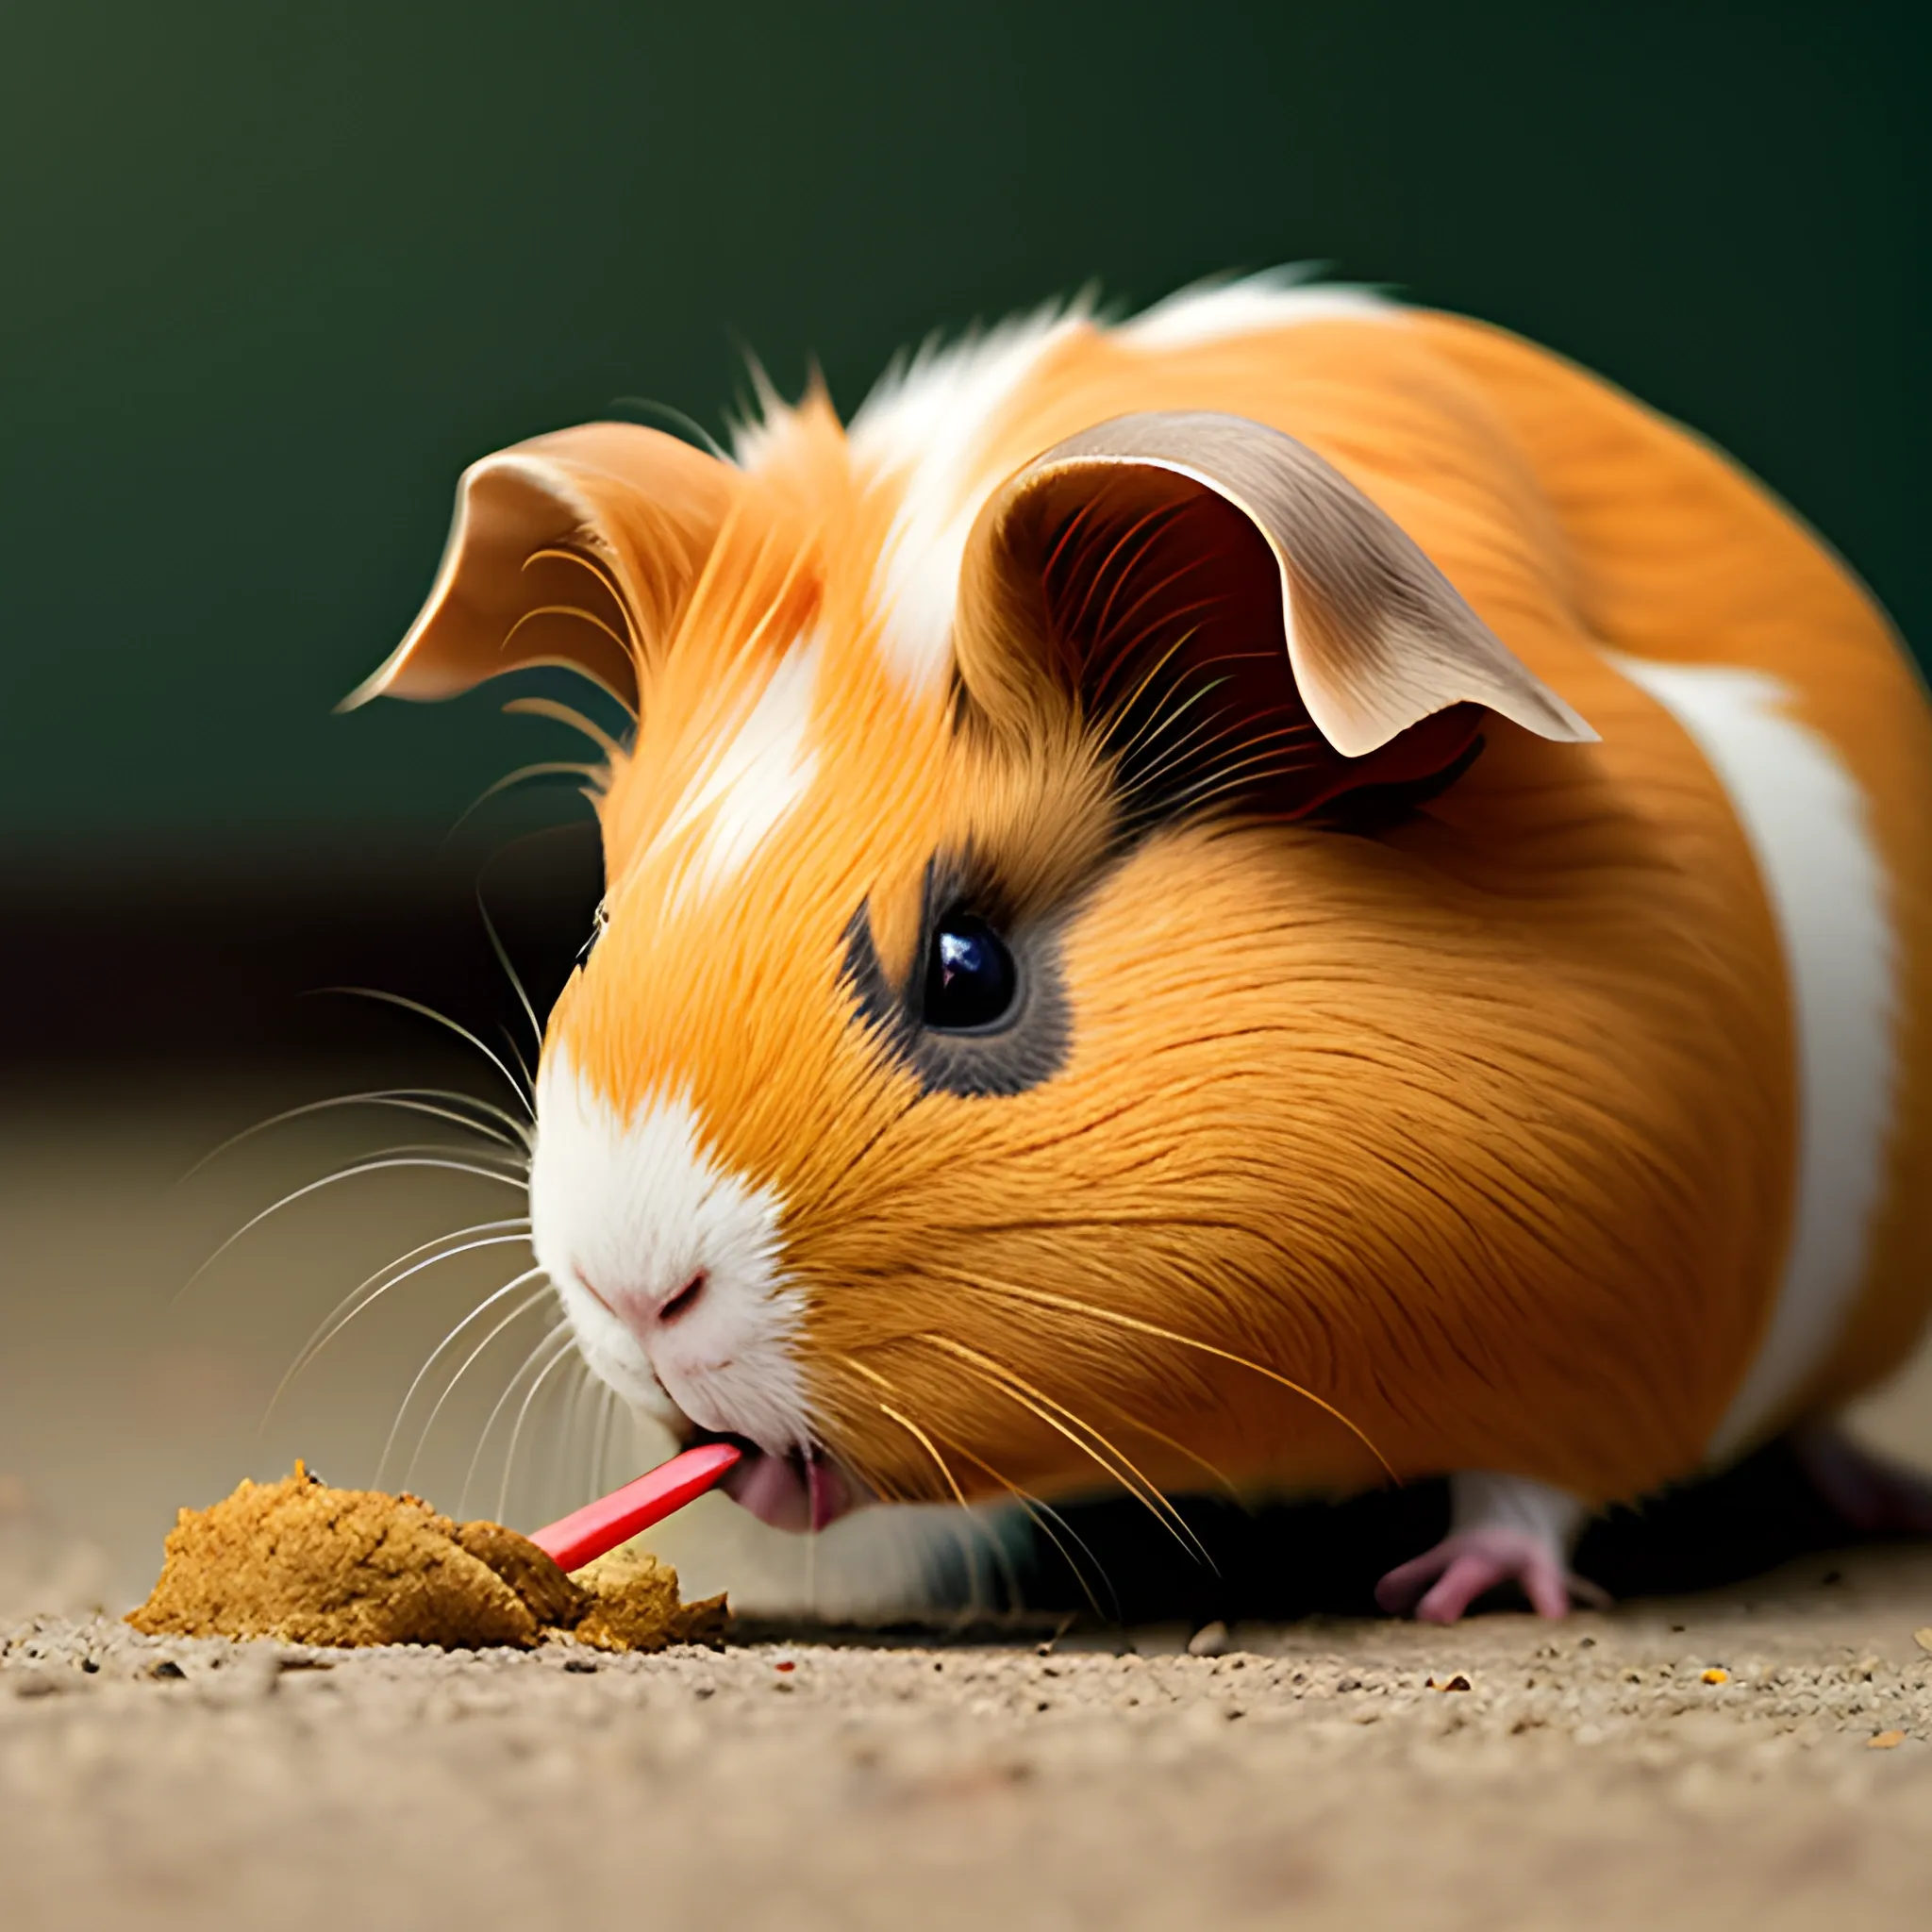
[[864, 1787], [1589, 1775]]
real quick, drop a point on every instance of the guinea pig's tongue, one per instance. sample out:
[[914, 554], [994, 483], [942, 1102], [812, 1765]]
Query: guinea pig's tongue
[[797, 1492], [801, 1492]]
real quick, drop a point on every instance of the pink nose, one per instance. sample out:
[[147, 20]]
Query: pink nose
[[685, 1300], [641, 1309]]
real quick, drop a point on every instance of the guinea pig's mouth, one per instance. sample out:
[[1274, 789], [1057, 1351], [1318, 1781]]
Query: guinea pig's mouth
[[802, 1490]]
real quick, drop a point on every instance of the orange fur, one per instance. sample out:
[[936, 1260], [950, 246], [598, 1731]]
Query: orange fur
[[1477, 1129]]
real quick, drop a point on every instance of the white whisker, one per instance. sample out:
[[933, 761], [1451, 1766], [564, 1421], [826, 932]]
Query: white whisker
[[404, 1099], [1084, 1437], [572, 1432], [469, 1362], [606, 1418], [972, 1532], [503, 959], [510, 1286], [559, 1327], [409, 1006], [510, 1460], [516, 1052], [495, 1233], [347, 1174], [1048, 1520], [511, 1163]]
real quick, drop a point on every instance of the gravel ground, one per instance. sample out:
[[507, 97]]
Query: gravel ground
[[1590, 1773]]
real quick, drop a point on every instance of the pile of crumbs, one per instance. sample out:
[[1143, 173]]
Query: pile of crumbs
[[305, 1563]]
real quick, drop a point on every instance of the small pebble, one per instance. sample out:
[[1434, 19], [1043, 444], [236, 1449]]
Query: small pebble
[[1210, 1640]]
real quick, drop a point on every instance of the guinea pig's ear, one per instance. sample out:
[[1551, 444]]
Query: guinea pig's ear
[[576, 549], [1239, 617]]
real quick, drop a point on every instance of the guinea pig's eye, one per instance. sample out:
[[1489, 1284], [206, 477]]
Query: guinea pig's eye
[[969, 978]]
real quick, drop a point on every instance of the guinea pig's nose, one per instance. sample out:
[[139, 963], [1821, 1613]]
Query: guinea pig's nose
[[634, 1305], [685, 1300]]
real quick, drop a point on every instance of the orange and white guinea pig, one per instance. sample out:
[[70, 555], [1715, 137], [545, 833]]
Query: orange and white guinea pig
[[1286, 892]]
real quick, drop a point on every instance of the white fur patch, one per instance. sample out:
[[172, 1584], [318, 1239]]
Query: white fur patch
[[754, 780], [1213, 312], [926, 422], [1480, 1500], [633, 1208], [1806, 823]]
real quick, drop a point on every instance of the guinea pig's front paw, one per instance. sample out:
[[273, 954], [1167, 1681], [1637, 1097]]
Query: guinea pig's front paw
[[1439, 1586]]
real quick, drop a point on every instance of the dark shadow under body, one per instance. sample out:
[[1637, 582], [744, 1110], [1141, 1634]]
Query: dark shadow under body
[[1280, 1561]]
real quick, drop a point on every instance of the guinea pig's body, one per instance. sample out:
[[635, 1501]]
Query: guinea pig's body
[[1287, 891]]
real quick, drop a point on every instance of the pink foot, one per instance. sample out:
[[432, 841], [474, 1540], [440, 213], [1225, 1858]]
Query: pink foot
[[1439, 1586], [1870, 1494]]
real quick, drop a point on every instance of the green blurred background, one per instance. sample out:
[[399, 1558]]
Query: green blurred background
[[274, 272], [271, 275]]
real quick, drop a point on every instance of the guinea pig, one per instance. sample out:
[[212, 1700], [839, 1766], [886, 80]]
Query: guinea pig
[[1287, 894]]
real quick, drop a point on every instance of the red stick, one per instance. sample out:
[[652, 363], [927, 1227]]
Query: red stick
[[586, 1533]]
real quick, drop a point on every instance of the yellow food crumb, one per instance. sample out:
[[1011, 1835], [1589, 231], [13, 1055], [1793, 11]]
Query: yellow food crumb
[[1886, 1740], [1716, 1676], [310, 1564]]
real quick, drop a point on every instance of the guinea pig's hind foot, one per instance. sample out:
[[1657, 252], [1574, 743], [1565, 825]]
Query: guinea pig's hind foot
[[1505, 1530], [1869, 1493]]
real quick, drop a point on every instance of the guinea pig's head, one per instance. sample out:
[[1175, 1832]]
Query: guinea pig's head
[[952, 1101]]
